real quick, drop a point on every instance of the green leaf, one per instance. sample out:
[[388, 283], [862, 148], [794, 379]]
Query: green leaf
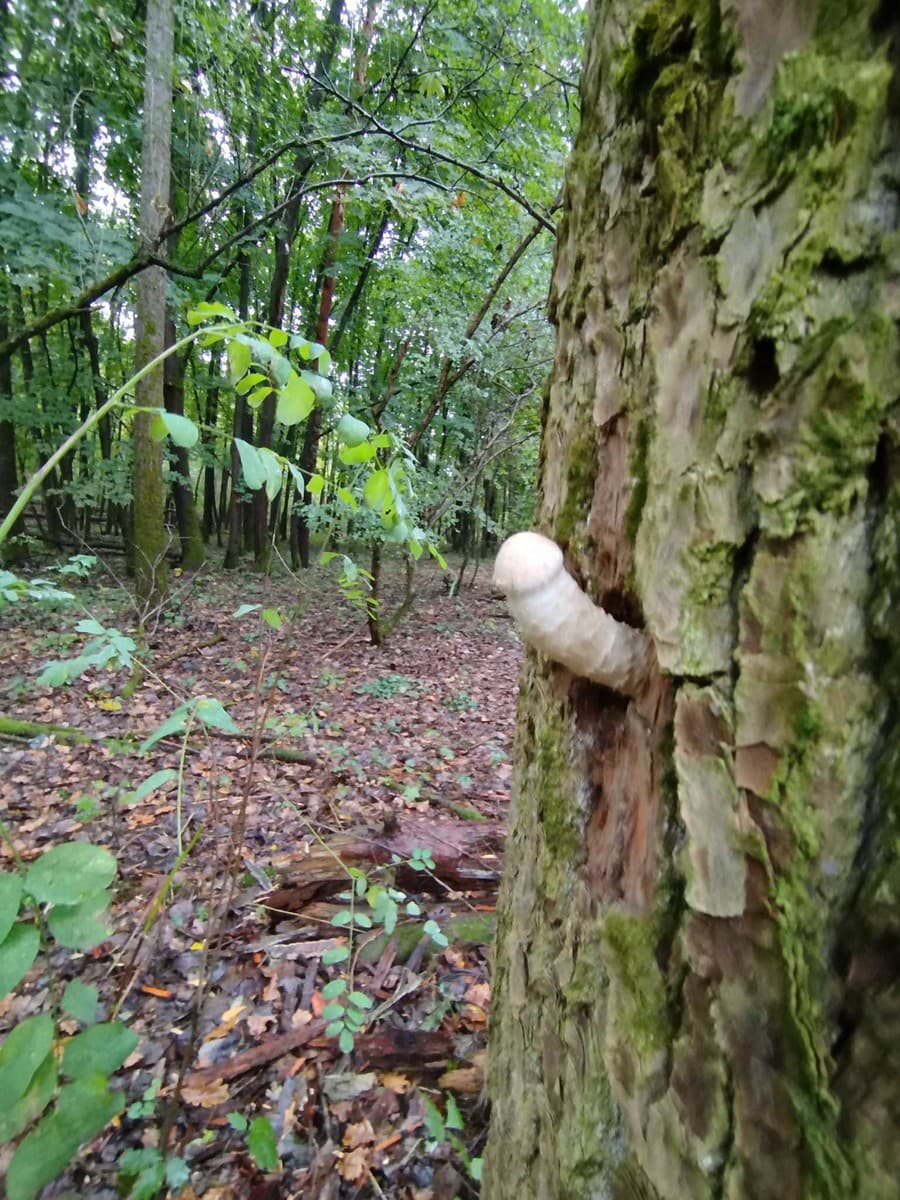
[[257, 396], [272, 618], [454, 1116], [29, 1106], [246, 608], [336, 987], [77, 926], [434, 932], [316, 485], [335, 954], [156, 780], [212, 713], [251, 465], [182, 431], [80, 1001], [318, 351], [348, 498], [238, 1121], [281, 370], [10, 895], [70, 873], [271, 464], [101, 1048], [320, 385], [176, 723], [351, 455], [297, 476], [377, 491], [434, 1122], [361, 1000], [342, 918], [177, 1173], [204, 309], [262, 1144], [346, 1041], [142, 1172], [296, 400], [435, 553], [277, 338], [332, 1012], [351, 431], [250, 380], [22, 1052], [82, 1110], [334, 1028], [17, 952], [239, 359]]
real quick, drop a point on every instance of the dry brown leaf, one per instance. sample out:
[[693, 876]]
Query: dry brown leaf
[[354, 1167], [360, 1133], [468, 1081], [258, 1025], [395, 1083], [230, 1018], [207, 1095]]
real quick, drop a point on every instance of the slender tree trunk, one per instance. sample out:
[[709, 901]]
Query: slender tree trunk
[[186, 516], [284, 240], [242, 426], [697, 985], [211, 515], [9, 481], [310, 452], [150, 568]]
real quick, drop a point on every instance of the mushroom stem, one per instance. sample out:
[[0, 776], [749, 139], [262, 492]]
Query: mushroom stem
[[557, 618]]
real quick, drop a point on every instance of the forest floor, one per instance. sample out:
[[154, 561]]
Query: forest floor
[[232, 870]]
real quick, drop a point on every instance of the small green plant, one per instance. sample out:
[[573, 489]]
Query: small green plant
[[390, 685], [447, 1129], [461, 702], [144, 1171], [106, 648], [261, 1140], [371, 907], [56, 1091]]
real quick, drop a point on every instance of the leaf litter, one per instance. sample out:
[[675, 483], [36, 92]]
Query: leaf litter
[[347, 759]]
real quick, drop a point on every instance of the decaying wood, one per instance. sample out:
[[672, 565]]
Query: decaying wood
[[466, 857]]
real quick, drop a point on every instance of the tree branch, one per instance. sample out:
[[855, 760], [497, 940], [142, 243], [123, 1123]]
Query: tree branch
[[429, 151]]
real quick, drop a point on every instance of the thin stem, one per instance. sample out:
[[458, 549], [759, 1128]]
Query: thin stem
[[88, 424]]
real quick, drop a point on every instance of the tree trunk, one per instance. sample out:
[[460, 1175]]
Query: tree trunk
[[284, 240], [150, 569], [8, 468], [696, 987]]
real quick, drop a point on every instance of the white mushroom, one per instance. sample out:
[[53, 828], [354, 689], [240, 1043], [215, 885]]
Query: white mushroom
[[556, 617]]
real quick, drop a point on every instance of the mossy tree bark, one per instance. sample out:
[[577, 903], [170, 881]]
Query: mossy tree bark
[[150, 538], [696, 992]]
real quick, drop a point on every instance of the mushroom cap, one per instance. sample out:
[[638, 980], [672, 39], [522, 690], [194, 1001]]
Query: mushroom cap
[[526, 561]]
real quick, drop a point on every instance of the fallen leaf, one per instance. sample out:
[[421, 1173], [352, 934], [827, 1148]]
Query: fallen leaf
[[360, 1133], [354, 1167], [396, 1083], [206, 1095]]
